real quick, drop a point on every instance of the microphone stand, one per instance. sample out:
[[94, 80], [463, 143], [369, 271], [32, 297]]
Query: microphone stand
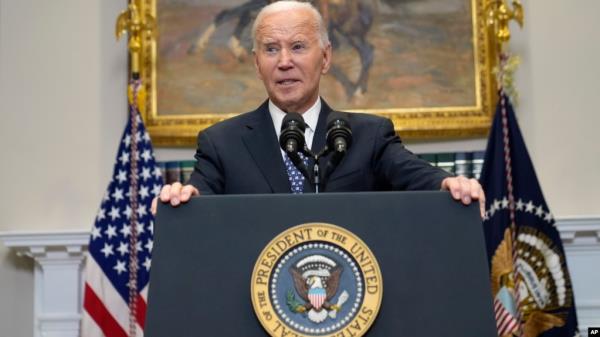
[[315, 177]]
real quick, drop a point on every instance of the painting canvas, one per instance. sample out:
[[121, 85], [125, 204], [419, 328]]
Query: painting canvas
[[400, 58]]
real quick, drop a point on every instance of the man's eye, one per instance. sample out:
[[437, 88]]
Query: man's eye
[[298, 46], [271, 49]]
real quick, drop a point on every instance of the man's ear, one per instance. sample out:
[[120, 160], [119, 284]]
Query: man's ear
[[327, 55]]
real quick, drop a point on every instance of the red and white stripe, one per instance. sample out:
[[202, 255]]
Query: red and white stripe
[[106, 314], [317, 300], [505, 321]]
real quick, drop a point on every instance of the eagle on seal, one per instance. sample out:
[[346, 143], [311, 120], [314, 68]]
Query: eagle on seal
[[316, 279]]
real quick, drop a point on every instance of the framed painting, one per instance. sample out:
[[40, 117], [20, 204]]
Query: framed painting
[[425, 64]]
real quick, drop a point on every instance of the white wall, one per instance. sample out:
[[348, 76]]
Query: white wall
[[16, 295], [560, 115], [62, 108]]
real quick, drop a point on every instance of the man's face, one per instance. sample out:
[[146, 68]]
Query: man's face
[[290, 60]]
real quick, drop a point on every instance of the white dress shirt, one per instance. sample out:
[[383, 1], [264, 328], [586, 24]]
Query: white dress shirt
[[311, 117]]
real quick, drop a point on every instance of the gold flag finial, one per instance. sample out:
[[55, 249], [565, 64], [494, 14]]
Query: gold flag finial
[[500, 14], [136, 24]]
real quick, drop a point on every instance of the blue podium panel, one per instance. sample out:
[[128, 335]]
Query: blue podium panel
[[430, 250]]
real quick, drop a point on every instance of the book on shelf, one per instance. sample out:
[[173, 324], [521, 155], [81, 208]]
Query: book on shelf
[[468, 164], [446, 162], [187, 167], [463, 164], [478, 158], [173, 172], [430, 157]]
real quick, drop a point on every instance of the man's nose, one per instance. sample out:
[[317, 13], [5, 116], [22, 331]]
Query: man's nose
[[285, 59]]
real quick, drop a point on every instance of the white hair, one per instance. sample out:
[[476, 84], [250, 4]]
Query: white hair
[[288, 5]]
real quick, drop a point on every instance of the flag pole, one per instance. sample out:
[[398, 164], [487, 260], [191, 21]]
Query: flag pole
[[499, 14], [139, 25]]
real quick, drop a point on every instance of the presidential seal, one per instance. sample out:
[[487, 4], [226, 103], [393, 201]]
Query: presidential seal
[[540, 289], [316, 279]]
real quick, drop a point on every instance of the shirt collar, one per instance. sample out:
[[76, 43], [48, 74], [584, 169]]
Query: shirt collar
[[311, 116]]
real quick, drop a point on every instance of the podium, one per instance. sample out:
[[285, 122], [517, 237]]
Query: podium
[[430, 250]]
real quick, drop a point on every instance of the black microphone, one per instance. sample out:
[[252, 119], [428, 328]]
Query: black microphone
[[339, 133], [291, 139], [339, 140]]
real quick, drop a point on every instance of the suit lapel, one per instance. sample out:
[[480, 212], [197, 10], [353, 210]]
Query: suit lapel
[[261, 141], [320, 140]]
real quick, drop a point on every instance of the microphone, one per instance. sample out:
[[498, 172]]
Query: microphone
[[339, 140], [291, 139], [339, 133]]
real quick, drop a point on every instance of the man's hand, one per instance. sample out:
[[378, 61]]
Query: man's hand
[[174, 194], [465, 190]]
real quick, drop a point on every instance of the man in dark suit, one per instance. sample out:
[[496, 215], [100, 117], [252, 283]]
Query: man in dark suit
[[242, 154]]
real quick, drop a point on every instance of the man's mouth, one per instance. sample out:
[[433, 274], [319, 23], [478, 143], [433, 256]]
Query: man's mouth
[[287, 82]]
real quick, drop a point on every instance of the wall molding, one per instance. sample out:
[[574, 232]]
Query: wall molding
[[38, 244], [581, 233], [58, 278], [570, 227], [581, 240], [58, 272]]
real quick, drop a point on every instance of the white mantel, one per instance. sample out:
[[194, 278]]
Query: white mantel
[[58, 273], [58, 278]]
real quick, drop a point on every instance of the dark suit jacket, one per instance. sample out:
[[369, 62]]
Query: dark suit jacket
[[242, 155]]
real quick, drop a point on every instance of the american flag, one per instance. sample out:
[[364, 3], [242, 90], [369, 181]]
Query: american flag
[[107, 305]]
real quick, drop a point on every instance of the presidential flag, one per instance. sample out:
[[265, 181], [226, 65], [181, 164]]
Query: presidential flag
[[116, 284], [529, 275]]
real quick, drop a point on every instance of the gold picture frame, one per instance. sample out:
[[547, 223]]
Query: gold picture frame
[[430, 121]]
